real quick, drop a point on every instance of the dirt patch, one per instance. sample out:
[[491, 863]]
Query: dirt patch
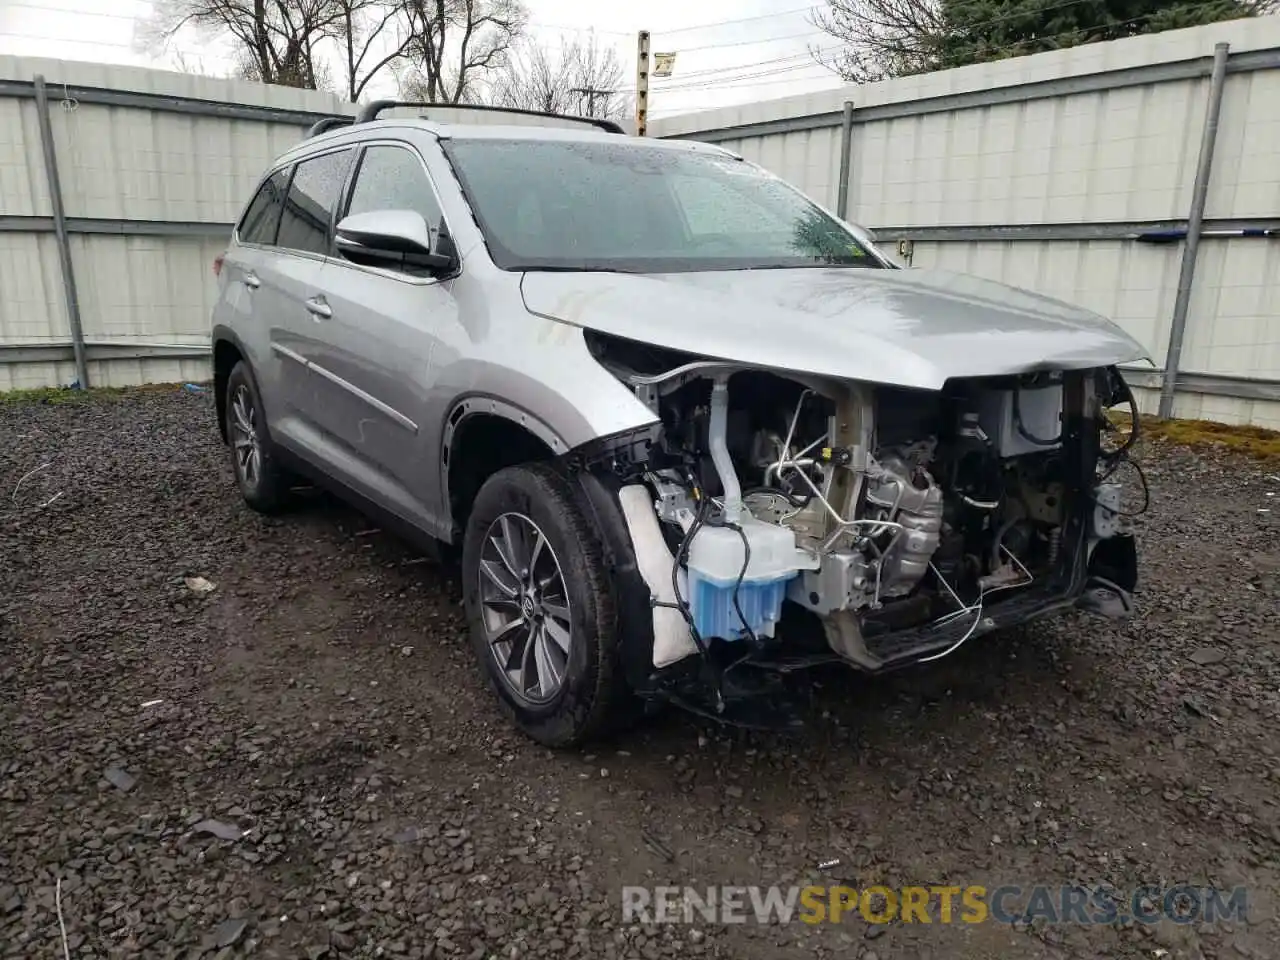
[[321, 705]]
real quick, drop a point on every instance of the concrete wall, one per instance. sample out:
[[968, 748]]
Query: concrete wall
[[1105, 136]]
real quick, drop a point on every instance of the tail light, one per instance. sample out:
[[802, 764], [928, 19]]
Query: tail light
[[217, 264]]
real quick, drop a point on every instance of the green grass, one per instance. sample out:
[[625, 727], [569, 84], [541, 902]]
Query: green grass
[[1256, 442], [67, 396], [58, 395]]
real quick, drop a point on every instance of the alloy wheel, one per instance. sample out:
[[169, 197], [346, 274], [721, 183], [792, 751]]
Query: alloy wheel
[[524, 605], [244, 439]]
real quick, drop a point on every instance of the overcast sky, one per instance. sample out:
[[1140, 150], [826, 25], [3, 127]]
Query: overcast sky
[[729, 51]]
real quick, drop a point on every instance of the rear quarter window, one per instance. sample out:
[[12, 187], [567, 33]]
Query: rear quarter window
[[261, 218]]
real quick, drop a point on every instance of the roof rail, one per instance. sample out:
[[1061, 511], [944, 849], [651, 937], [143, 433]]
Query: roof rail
[[370, 112], [326, 123]]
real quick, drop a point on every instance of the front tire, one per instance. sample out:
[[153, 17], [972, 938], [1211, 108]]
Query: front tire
[[540, 607], [263, 482]]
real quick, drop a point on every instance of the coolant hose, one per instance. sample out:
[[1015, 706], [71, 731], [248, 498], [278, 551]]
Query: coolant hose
[[717, 440]]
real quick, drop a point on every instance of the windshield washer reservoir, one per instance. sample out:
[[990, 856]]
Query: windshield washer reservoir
[[715, 562]]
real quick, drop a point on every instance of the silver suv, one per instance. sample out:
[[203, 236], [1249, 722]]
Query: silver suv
[[690, 431]]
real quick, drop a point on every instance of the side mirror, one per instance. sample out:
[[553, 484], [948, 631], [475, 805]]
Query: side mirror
[[390, 238]]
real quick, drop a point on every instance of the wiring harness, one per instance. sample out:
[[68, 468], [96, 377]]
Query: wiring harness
[[1113, 460]]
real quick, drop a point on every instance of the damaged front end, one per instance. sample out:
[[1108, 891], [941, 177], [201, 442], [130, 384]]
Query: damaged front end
[[775, 521]]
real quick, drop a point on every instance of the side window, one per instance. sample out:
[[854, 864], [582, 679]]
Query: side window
[[312, 196], [392, 178], [262, 218]]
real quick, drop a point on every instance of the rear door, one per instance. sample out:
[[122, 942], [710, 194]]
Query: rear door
[[253, 298], [299, 313], [388, 329]]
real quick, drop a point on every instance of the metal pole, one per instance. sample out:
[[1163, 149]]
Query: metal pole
[[846, 147], [60, 228], [642, 83], [1199, 192]]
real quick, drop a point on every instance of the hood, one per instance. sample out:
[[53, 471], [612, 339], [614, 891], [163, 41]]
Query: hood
[[909, 328]]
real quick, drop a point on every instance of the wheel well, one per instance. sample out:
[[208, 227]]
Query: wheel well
[[482, 445], [225, 356]]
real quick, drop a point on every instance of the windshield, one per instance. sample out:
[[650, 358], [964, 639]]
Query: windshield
[[562, 205]]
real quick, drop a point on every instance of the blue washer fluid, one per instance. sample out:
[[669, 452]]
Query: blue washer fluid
[[714, 615], [715, 562]]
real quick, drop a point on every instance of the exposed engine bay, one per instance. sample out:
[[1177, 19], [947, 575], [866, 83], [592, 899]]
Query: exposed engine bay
[[904, 521]]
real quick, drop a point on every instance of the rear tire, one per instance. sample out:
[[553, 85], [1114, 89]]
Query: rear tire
[[540, 607], [263, 482]]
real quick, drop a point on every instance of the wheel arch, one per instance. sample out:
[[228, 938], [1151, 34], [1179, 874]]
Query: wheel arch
[[227, 352], [483, 435]]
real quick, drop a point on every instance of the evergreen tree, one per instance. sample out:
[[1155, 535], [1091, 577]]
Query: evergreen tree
[[977, 31], [894, 38]]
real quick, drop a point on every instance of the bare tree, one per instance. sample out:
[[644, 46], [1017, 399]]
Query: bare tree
[[581, 78], [181, 61], [276, 40], [456, 44], [371, 35], [884, 38]]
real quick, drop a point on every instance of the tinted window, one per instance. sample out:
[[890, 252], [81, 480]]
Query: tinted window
[[263, 216], [313, 194], [603, 206]]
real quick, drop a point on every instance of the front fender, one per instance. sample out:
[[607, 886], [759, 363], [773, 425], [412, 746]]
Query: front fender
[[548, 383]]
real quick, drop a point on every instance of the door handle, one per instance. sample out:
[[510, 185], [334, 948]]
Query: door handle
[[251, 280], [317, 307]]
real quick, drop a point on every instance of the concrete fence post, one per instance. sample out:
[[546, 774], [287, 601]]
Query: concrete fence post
[[846, 148], [60, 230], [1199, 191]]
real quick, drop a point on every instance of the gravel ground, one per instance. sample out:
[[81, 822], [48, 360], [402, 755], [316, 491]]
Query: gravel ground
[[303, 762]]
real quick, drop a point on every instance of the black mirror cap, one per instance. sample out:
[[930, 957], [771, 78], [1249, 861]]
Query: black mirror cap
[[433, 264]]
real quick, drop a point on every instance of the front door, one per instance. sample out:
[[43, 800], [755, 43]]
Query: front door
[[387, 330]]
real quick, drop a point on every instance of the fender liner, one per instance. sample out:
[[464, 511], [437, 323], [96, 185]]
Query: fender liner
[[635, 618]]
